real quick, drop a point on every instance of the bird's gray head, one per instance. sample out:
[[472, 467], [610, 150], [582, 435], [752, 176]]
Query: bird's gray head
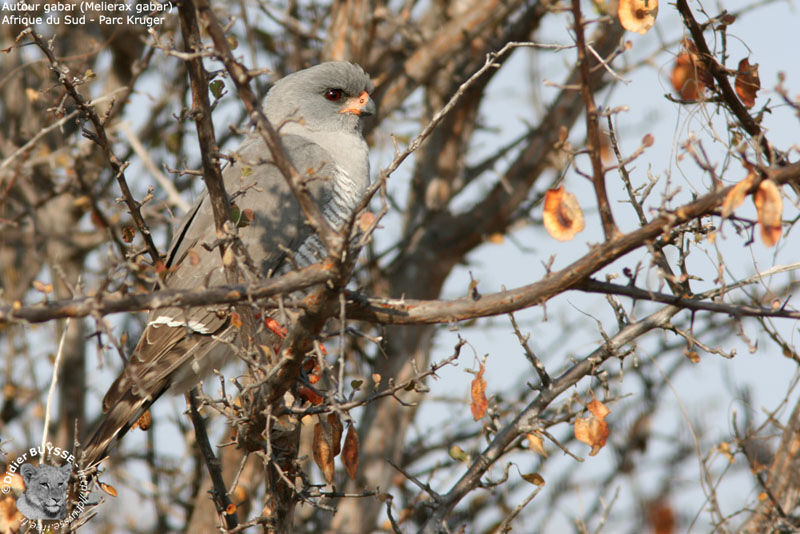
[[331, 96]]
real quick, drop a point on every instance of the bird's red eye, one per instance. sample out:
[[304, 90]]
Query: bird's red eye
[[333, 94]]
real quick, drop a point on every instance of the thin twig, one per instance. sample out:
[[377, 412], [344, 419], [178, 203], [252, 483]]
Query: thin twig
[[222, 500], [52, 390], [592, 128]]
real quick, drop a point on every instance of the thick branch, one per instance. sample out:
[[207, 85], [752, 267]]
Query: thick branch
[[201, 112], [116, 303], [436, 311]]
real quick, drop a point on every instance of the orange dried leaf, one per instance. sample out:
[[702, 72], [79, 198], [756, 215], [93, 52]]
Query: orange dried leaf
[[693, 355], [239, 493], [275, 326], [562, 215], [38, 285], [662, 518], [534, 478], [689, 77], [497, 238], [637, 15], [350, 452], [747, 83], [323, 456], [593, 430], [769, 205], [236, 320], [736, 195], [336, 433], [478, 391], [108, 488], [536, 444], [365, 220], [230, 509], [145, 421], [598, 409], [310, 395]]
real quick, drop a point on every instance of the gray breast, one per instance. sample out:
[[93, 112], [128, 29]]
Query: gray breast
[[345, 195]]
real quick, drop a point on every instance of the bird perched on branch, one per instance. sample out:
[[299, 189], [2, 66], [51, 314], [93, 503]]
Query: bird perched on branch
[[319, 113]]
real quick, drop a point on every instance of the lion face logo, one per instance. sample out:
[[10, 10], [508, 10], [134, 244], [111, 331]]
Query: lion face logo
[[45, 494]]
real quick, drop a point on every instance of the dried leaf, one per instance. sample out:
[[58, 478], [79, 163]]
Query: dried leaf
[[661, 517], [593, 430], [736, 195], [275, 327], [309, 394], [693, 356], [40, 286], [769, 205], [376, 379], [230, 509], [478, 392], [365, 220], [239, 494], [689, 77], [128, 233], [323, 454], [598, 409], [108, 488], [497, 238], [747, 83], [350, 452], [637, 15], [236, 320], [562, 215], [534, 478], [145, 421], [336, 433], [536, 444]]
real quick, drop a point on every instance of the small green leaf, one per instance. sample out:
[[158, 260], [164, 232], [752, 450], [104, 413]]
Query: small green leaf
[[246, 171], [217, 87], [356, 384], [457, 453], [246, 218]]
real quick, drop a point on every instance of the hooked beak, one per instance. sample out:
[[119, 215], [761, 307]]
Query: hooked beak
[[359, 105]]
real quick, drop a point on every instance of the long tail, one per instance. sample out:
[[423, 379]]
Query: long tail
[[113, 426]]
